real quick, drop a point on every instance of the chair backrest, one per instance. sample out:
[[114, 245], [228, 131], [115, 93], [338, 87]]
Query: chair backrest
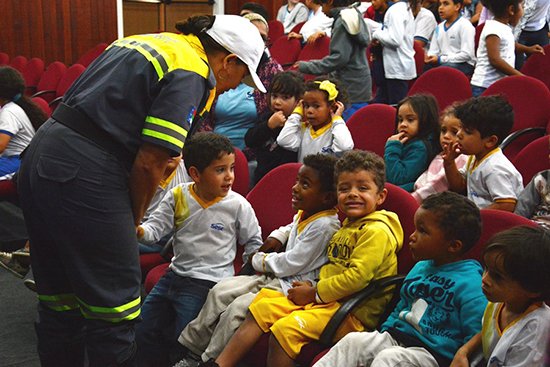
[[533, 158], [285, 50], [271, 197], [456, 86], [43, 104], [68, 78], [404, 205], [371, 126], [19, 62], [242, 176], [477, 36], [276, 30], [50, 79], [32, 73], [90, 55], [298, 27], [4, 58], [537, 66], [419, 55], [314, 51]]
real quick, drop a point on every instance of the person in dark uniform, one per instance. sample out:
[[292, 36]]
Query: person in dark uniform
[[91, 170]]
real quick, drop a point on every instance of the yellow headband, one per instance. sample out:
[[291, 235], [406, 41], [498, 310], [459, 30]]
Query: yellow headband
[[330, 88]]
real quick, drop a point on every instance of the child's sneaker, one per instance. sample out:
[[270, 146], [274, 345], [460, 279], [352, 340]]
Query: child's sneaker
[[13, 266], [190, 360], [30, 284]]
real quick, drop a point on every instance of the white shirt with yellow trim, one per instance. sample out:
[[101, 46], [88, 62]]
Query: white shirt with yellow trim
[[207, 233], [493, 179], [333, 138]]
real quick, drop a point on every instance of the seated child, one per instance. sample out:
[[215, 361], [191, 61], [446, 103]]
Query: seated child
[[409, 152], [441, 303], [433, 180], [285, 91], [291, 14], [516, 281], [534, 200], [363, 250], [453, 42], [489, 179], [324, 130], [308, 235], [317, 24], [209, 221]]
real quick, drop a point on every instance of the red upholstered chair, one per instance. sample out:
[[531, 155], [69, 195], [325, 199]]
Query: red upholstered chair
[[530, 99], [68, 78], [479, 28], [271, 197], [298, 27], [533, 158], [371, 126], [315, 51], [49, 80], [4, 58], [19, 62], [537, 66], [419, 56], [285, 51], [8, 191], [276, 30], [41, 102], [242, 176], [32, 73], [446, 84], [90, 55]]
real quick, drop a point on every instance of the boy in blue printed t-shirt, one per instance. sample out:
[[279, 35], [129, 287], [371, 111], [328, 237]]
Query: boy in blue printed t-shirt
[[441, 301]]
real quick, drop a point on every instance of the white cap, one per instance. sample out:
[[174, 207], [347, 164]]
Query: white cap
[[240, 37]]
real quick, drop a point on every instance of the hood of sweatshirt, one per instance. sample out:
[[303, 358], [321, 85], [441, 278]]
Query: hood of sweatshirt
[[391, 224], [354, 24]]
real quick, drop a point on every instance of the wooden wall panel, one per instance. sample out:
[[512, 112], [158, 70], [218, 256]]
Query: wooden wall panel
[[233, 6], [56, 29]]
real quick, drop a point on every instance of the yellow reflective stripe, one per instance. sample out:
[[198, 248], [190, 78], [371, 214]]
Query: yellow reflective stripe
[[153, 60], [117, 309], [59, 302], [167, 124], [161, 136], [111, 314]]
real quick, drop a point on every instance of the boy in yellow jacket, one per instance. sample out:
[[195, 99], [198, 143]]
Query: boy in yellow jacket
[[364, 249]]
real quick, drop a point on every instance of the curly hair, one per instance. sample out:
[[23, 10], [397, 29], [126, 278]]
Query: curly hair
[[324, 164], [313, 85], [354, 160]]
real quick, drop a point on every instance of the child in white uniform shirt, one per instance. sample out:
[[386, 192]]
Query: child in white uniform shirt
[[291, 14], [317, 25], [209, 221], [316, 125]]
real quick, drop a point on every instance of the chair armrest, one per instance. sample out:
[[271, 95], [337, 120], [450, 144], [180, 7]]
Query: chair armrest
[[247, 269], [43, 92], [374, 287], [55, 102], [516, 134]]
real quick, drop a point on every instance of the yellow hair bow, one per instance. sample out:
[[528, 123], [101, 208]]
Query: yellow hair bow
[[330, 88]]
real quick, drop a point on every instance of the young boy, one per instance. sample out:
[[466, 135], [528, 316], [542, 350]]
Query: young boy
[[489, 178], [285, 91], [453, 40], [308, 235], [364, 249], [441, 302], [516, 281], [209, 221]]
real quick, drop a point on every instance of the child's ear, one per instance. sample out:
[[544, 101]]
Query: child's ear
[[455, 246], [491, 141], [194, 173], [382, 197]]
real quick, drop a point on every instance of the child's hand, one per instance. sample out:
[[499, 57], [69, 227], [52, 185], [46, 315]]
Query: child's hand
[[271, 245], [339, 109], [535, 49], [302, 293], [293, 35], [276, 120], [139, 231], [295, 66], [431, 59], [375, 43], [400, 137], [450, 152], [460, 360]]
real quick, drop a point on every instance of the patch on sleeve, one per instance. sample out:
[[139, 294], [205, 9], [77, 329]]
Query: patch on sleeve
[[191, 115]]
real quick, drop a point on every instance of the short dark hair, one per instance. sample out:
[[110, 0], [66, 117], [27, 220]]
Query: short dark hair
[[290, 83], [525, 254], [490, 115], [256, 8], [324, 165], [499, 7], [458, 217], [203, 148], [461, 2], [313, 85], [426, 108], [362, 160]]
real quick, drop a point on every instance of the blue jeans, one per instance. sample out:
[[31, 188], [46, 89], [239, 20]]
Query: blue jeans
[[477, 91], [352, 109], [171, 305]]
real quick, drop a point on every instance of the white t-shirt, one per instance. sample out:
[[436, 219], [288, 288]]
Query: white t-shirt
[[454, 44], [484, 73], [15, 123], [425, 24], [319, 22]]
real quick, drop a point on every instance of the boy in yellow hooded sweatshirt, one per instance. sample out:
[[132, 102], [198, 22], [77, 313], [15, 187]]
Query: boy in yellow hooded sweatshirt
[[364, 249]]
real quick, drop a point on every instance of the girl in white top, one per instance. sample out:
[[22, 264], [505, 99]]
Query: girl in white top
[[316, 125], [19, 117], [317, 25], [396, 37], [291, 14], [496, 50]]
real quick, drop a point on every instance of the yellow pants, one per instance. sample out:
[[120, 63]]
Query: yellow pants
[[295, 326]]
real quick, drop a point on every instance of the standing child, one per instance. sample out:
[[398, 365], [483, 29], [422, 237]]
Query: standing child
[[408, 153], [209, 221], [324, 130], [489, 179], [396, 37], [363, 250], [433, 180], [516, 281], [285, 91], [453, 41], [496, 51], [308, 235], [441, 303]]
